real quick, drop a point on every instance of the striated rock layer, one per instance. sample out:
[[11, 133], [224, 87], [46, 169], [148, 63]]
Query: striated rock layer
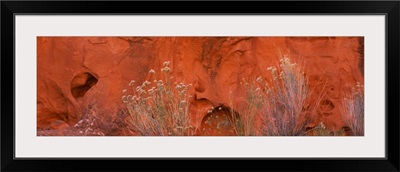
[[77, 76]]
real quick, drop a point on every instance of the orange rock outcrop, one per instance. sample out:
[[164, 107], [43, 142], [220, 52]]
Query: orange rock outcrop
[[77, 76]]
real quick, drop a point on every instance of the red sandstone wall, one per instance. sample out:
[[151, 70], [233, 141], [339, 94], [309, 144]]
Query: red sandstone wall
[[86, 75]]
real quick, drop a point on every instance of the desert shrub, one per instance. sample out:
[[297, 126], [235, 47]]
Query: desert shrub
[[286, 96], [279, 101], [160, 108], [353, 111]]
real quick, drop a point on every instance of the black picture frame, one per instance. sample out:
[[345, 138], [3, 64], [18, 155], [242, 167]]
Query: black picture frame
[[10, 8]]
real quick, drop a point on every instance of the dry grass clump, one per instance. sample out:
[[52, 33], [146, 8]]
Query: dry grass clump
[[286, 96], [353, 111], [255, 102], [244, 125], [279, 102], [160, 108]]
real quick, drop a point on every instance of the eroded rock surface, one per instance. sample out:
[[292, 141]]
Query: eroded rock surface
[[86, 75]]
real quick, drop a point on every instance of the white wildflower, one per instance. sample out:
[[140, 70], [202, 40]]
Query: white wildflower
[[271, 68], [138, 89], [322, 125], [259, 79], [166, 63], [165, 69], [358, 85], [281, 74]]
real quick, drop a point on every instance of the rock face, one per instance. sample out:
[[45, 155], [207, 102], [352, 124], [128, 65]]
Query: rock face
[[77, 76]]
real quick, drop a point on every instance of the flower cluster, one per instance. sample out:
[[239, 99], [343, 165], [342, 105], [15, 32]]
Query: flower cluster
[[166, 68]]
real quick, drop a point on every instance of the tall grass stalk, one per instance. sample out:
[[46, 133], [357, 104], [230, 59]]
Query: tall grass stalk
[[255, 101], [353, 111], [245, 125]]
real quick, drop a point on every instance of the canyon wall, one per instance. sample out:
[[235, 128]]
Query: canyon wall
[[77, 76]]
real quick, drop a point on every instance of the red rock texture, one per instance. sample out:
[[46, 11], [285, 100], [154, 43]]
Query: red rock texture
[[77, 76]]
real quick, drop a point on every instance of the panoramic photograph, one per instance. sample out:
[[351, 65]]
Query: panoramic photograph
[[200, 86]]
